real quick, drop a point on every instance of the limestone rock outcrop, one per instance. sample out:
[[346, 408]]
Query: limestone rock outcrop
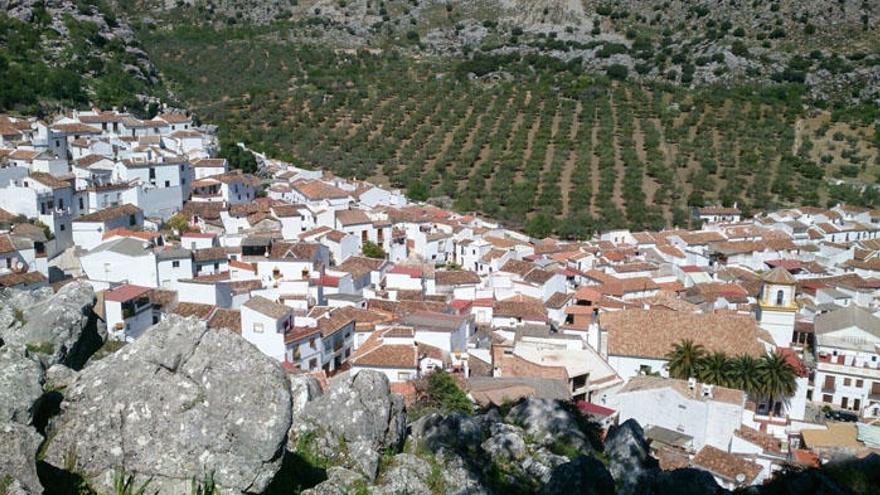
[[57, 328], [357, 420], [179, 403]]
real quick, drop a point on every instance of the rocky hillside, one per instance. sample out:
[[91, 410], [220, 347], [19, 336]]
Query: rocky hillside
[[191, 410], [56, 54], [830, 45]]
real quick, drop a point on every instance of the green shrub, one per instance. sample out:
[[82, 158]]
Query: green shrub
[[617, 71], [44, 347]]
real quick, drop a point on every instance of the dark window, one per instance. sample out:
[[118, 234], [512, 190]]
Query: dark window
[[167, 183], [152, 173], [81, 205], [61, 227], [216, 266], [175, 264], [779, 296], [132, 220]]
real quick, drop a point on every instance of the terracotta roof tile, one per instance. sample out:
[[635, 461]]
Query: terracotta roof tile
[[110, 213], [652, 333], [226, 318], [728, 466], [267, 307]]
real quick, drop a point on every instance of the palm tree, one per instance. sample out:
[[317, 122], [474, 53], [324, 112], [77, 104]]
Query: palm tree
[[716, 368], [777, 378], [744, 374], [684, 359]]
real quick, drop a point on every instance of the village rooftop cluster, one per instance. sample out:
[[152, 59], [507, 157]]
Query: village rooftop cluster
[[331, 276]]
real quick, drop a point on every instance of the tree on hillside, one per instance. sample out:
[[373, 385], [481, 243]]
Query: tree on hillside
[[373, 250], [540, 225], [237, 157], [417, 191], [179, 224], [684, 359], [444, 394]]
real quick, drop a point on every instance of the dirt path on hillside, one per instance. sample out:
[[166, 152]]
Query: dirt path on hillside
[[566, 188], [619, 168], [530, 139], [493, 134]]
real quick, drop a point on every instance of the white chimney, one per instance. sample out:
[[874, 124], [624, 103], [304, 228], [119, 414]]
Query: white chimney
[[692, 383], [708, 391]]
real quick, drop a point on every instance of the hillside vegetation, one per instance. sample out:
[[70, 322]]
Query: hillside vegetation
[[829, 45], [58, 55], [520, 137], [558, 116]]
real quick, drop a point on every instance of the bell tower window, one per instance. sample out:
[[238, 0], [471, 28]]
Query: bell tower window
[[779, 296]]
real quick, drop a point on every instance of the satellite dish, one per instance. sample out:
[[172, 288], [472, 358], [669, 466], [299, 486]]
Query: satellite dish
[[19, 266]]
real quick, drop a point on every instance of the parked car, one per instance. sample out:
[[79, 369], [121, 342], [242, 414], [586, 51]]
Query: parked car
[[847, 416]]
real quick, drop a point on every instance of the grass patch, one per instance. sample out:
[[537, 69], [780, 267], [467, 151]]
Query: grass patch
[[18, 315], [110, 346], [5, 482], [560, 447], [43, 347], [435, 481]]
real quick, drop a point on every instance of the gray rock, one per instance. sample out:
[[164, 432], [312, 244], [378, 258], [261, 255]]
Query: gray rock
[[628, 454], [457, 432], [458, 477], [340, 481], [407, 473], [59, 377], [541, 464], [21, 384], [61, 328], [303, 389], [583, 475], [18, 456], [16, 488], [176, 404], [505, 446], [13, 303], [361, 415], [546, 421]]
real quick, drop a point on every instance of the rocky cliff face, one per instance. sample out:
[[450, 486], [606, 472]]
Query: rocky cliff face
[[37, 330], [826, 44], [181, 402], [184, 403]]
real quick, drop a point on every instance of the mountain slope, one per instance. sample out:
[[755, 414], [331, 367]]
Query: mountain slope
[[60, 54], [830, 45]]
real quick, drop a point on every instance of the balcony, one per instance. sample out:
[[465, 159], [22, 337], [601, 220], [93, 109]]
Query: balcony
[[872, 373]]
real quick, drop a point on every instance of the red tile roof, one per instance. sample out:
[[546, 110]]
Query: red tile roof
[[126, 292]]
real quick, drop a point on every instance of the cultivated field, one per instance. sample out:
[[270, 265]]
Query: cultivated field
[[533, 138]]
